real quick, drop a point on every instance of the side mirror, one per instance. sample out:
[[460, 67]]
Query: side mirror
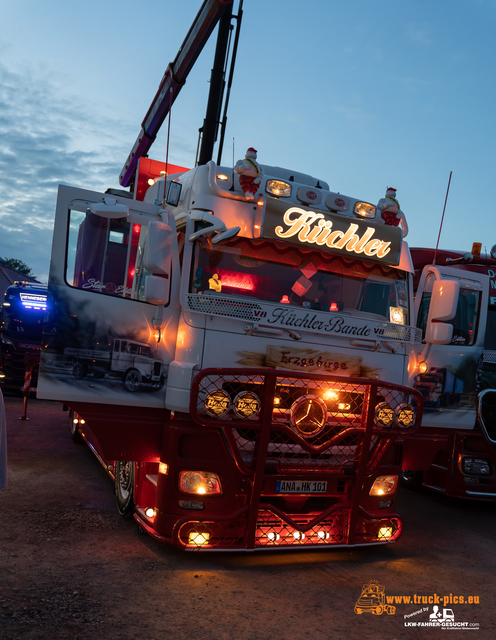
[[157, 290], [157, 256], [444, 302]]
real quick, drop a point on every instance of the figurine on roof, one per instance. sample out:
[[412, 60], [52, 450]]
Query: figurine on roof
[[250, 173], [391, 212]]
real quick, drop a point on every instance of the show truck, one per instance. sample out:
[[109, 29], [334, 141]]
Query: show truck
[[282, 323], [454, 450], [22, 314]]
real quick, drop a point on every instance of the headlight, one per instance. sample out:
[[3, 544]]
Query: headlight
[[200, 482], [384, 415], [246, 405], [477, 466], [365, 210], [217, 403], [384, 486], [278, 188], [405, 416]]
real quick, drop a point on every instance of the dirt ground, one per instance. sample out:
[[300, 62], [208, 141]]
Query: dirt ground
[[72, 568]]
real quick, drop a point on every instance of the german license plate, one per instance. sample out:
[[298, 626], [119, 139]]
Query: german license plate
[[301, 486]]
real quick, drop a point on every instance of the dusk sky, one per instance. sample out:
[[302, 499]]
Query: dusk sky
[[363, 95]]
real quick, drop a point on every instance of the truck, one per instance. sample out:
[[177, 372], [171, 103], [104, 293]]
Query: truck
[[281, 313], [453, 453], [282, 323], [22, 314]]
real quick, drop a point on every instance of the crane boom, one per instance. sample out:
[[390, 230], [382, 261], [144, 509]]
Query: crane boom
[[172, 81]]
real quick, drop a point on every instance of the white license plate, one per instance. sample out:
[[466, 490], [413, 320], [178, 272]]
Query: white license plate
[[301, 486]]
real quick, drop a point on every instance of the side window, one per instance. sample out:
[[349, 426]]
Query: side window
[[466, 318], [102, 254]]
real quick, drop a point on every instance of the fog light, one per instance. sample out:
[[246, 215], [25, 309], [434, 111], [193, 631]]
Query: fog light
[[149, 513], [217, 403], [324, 535], [75, 421], [384, 415], [405, 415], [273, 537], [344, 406], [246, 405], [365, 210], [298, 535], [278, 188], [477, 466], [383, 486], [385, 533], [163, 468], [222, 177], [199, 482], [199, 538], [385, 504], [330, 394], [191, 504]]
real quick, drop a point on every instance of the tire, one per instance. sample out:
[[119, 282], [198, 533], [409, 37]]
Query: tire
[[74, 427], [124, 487], [132, 380], [79, 370], [412, 479]]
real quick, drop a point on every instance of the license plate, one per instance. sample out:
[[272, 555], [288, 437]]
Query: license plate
[[301, 486]]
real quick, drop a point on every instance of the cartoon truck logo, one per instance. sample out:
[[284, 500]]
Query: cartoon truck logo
[[373, 600]]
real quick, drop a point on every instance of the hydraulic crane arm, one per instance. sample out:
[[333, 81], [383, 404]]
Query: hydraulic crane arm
[[174, 78]]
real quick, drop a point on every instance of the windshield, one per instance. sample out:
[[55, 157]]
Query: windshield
[[276, 273]]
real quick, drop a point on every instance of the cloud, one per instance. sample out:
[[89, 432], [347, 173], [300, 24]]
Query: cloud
[[47, 138]]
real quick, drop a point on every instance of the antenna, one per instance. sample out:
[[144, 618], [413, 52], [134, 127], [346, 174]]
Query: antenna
[[442, 218]]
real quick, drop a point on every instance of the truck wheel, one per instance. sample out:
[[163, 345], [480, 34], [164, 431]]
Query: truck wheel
[[74, 427], [79, 370], [132, 380], [124, 487], [412, 479]]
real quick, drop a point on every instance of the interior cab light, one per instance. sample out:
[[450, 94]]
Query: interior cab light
[[278, 188], [365, 210], [384, 486]]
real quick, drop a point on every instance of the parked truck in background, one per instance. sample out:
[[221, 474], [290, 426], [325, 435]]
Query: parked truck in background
[[454, 451], [22, 314]]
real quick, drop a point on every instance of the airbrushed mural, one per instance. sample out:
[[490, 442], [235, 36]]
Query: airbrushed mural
[[95, 344]]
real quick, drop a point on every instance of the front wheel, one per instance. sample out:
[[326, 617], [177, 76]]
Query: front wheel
[[132, 380], [411, 479], [124, 487]]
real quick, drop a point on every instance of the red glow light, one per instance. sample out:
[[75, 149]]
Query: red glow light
[[284, 300], [334, 307]]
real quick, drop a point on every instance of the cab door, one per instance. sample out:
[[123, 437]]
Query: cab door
[[97, 284], [451, 364]]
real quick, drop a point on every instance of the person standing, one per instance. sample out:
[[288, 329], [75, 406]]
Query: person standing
[[3, 444]]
